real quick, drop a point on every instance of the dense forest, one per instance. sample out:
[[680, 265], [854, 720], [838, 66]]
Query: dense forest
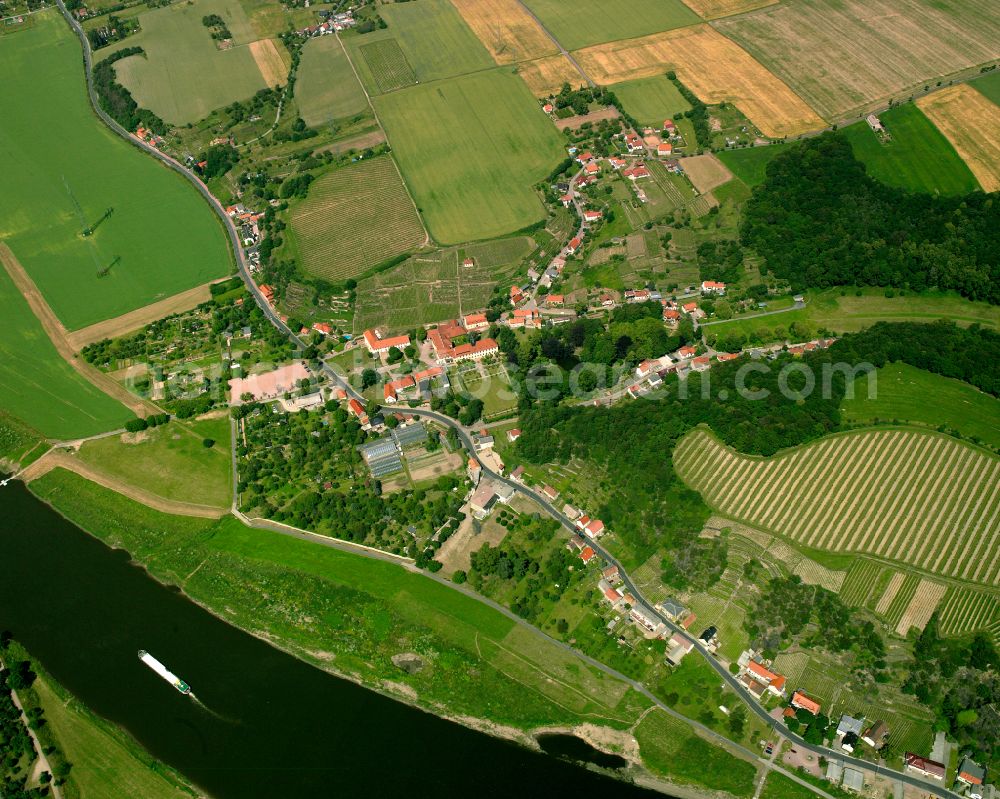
[[819, 220]]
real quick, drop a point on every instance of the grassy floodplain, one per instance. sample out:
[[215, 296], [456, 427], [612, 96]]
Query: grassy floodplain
[[913, 395], [470, 149], [37, 385], [323, 602], [58, 155], [326, 88], [183, 75], [170, 461], [917, 157], [918, 498], [591, 22]]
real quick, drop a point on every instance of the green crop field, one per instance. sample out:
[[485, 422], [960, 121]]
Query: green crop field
[[38, 386], [326, 88], [749, 164], [908, 394], [651, 100], [354, 218], [917, 156], [588, 22], [58, 156], [989, 85], [170, 461], [843, 57], [386, 62], [431, 40], [184, 76], [922, 499], [470, 149]]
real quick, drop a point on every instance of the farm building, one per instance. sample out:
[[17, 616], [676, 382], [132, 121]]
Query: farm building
[[803, 702], [922, 765], [377, 344]]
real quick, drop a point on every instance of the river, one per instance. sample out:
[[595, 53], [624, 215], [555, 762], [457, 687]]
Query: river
[[270, 725]]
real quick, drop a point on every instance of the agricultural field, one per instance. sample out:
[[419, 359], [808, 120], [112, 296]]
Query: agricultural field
[[470, 150], [966, 610], [170, 461], [916, 157], [590, 22], [183, 75], [847, 56], [989, 86], [386, 62], [506, 29], [651, 100], [918, 498], [354, 218], [706, 172], [325, 87], [711, 66], [750, 163], [971, 122], [37, 386], [432, 38], [908, 394], [546, 76], [713, 9], [433, 287], [160, 239]]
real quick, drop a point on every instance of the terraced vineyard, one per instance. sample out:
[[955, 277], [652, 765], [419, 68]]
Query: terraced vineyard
[[388, 65], [966, 610], [917, 498], [355, 218]]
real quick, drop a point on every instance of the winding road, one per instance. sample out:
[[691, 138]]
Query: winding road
[[466, 439]]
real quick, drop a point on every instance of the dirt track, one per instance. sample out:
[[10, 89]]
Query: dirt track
[[60, 459], [60, 338], [140, 317]]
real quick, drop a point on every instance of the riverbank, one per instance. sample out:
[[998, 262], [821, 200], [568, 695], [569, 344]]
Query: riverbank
[[265, 723], [496, 692], [89, 756]]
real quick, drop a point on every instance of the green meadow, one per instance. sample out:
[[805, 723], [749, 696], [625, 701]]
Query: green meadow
[[170, 461], [434, 40], [63, 170], [917, 156], [587, 22], [750, 163], [908, 394], [989, 85], [183, 75], [38, 386], [325, 88], [471, 149], [651, 100]]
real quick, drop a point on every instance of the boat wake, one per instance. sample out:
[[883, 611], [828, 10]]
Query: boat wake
[[211, 712]]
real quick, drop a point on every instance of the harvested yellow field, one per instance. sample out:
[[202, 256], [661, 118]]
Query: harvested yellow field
[[971, 123], [506, 29], [713, 9], [706, 172], [545, 76], [846, 56], [269, 62], [713, 67], [923, 604]]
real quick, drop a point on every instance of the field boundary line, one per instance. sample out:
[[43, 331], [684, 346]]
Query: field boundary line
[[59, 337], [371, 105]]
